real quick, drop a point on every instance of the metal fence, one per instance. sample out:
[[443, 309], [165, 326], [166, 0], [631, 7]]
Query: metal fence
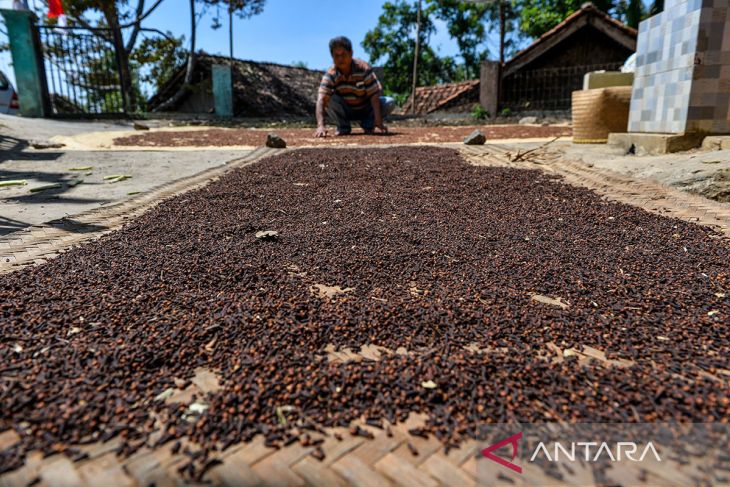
[[547, 88], [82, 71]]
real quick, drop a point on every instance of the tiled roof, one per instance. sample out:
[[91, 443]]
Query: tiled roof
[[432, 98]]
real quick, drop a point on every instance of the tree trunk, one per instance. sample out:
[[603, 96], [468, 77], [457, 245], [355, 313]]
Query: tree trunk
[[125, 74], [501, 31], [230, 32], [170, 103]]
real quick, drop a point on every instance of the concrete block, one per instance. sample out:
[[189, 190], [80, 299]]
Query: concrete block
[[645, 144], [606, 79]]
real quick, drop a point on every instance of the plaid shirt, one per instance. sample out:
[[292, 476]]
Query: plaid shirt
[[356, 89]]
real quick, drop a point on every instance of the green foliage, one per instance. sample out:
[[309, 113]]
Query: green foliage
[[657, 6], [479, 112], [539, 16], [506, 112], [631, 12], [400, 98], [466, 23], [242, 8], [391, 43], [300, 64], [156, 59]]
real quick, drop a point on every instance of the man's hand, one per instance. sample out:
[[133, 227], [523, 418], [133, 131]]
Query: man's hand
[[322, 103], [381, 127]]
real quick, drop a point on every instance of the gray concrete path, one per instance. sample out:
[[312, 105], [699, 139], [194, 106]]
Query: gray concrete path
[[20, 208]]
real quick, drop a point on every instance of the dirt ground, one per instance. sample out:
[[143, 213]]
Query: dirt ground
[[702, 172], [304, 137], [409, 249]]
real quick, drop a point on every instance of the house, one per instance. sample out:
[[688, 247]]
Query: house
[[544, 75], [259, 89], [450, 97]]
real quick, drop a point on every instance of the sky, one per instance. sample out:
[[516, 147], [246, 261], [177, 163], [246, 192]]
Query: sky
[[287, 31]]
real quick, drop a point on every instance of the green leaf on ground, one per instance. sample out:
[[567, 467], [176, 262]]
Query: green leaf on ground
[[115, 178], [46, 187], [13, 182]]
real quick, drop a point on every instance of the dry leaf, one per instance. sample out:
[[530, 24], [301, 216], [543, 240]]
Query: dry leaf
[[167, 393], [323, 291], [198, 408], [267, 235], [551, 301]]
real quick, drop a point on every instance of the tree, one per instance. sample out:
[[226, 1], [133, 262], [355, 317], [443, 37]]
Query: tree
[[657, 6], [242, 8], [631, 12], [116, 16], [392, 42], [466, 23], [161, 56], [539, 16]]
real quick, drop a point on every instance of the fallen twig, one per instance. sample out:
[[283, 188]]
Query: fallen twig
[[521, 155]]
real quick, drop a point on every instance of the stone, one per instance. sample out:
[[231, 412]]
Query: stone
[[275, 142], [528, 120], [475, 138], [140, 126], [716, 142], [46, 144], [718, 188]]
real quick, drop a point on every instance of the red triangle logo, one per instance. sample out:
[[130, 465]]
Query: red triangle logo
[[512, 440]]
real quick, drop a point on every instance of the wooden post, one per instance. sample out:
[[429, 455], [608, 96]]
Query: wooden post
[[489, 81], [415, 59]]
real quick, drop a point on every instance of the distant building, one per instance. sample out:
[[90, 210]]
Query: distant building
[[259, 89], [450, 97], [543, 76]]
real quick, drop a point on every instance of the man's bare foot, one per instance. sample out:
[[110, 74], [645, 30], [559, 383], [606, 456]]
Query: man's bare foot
[[369, 131], [341, 134]]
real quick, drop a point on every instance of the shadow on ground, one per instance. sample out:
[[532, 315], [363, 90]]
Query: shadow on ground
[[8, 225], [12, 148], [75, 226]]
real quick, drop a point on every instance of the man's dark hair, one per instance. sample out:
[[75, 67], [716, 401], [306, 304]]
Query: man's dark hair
[[342, 42]]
